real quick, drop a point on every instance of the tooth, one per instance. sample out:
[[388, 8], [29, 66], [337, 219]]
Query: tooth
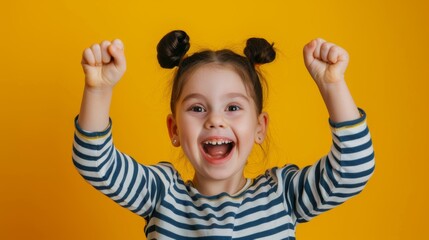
[[217, 142]]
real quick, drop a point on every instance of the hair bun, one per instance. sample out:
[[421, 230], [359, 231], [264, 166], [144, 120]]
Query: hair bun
[[259, 51], [171, 48]]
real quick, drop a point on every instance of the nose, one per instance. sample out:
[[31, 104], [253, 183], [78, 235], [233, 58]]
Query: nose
[[215, 120]]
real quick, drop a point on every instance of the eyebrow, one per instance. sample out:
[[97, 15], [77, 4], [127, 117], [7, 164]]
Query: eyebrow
[[228, 95]]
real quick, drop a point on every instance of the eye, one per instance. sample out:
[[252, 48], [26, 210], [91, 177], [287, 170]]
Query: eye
[[233, 108], [197, 109]]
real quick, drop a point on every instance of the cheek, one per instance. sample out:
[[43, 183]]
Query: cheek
[[246, 129], [188, 128], [246, 139]]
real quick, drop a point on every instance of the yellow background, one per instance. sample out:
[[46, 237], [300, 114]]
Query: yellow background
[[43, 197]]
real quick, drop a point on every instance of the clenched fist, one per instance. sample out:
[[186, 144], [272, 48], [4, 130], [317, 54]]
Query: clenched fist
[[325, 61], [104, 64]]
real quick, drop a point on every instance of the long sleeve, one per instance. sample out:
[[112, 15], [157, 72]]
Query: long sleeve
[[336, 177], [116, 174]]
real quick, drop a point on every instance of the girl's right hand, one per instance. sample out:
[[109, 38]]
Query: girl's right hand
[[103, 64]]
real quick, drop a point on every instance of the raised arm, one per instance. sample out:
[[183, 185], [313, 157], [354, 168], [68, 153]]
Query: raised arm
[[327, 63], [346, 169], [104, 64], [115, 174]]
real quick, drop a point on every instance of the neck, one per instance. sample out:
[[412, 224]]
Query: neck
[[215, 187]]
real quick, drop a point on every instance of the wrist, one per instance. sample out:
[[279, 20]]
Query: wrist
[[95, 107], [332, 86], [99, 90], [339, 101]]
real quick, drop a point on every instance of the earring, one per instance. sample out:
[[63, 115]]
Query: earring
[[174, 141]]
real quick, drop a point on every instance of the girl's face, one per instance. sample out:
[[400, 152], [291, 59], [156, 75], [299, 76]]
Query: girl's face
[[216, 123]]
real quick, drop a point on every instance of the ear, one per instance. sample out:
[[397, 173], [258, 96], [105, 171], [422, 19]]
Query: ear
[[172, 130], [261, 129]]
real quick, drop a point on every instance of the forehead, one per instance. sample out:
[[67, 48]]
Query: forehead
[[214, 76]]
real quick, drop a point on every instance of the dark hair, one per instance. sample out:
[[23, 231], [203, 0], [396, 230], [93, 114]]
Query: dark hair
[[174, 45]]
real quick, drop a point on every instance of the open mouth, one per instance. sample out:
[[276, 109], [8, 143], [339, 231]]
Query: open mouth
[[217, 149]]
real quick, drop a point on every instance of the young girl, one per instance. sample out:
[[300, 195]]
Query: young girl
[[216, 118]]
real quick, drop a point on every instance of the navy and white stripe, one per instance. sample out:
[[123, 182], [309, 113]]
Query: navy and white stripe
[[269, 207]]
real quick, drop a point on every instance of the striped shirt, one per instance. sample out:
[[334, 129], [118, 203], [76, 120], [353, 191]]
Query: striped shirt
[[268, 207]]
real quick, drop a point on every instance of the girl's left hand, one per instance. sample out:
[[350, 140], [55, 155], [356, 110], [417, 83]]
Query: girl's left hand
[[325, 61]]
